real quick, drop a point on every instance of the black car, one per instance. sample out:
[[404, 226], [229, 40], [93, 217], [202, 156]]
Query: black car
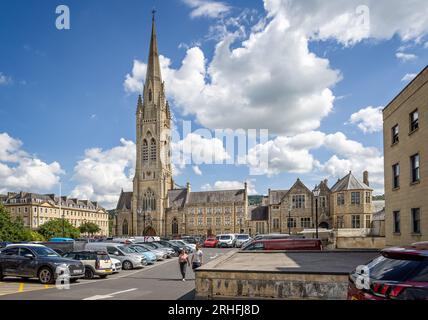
[[37, 261]]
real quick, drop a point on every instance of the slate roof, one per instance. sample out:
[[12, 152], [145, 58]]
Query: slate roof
[[258, 213], [229, 196], [125, 201], [275, 196], [349, 182], [177, 198], [379, 216], [378, 205]]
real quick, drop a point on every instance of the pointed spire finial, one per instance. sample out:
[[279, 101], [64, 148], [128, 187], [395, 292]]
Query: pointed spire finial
[[153, 14]]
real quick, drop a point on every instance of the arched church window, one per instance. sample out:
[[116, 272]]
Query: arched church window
[[174, 226], [149, 201], [125, 230], [145, 150], [153, 150]]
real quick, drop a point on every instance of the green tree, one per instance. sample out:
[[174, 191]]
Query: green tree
[[54, 229], [13, 230], [89, 228]]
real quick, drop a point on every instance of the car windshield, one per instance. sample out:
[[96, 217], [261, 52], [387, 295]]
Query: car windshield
[[103, 256], [150, 245], [127, 249], [139, 249], [45, 252], [242, 237], [225, 237], [386, 269]]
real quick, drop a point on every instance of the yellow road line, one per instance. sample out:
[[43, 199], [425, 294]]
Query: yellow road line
[[21, 287]]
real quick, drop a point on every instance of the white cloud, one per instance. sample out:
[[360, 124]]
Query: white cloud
[[20, 171], [134, 81], [207, 8], [101, 174], [196, 149], [293, 155], [409, 77], [4, 79], [197, 170], [405, 57], [230, 185], [369, 119]]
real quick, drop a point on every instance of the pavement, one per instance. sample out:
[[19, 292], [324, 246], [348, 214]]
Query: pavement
[[313, 262], [161, 281]]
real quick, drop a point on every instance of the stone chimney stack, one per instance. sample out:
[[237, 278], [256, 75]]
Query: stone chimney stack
[[366, 178]]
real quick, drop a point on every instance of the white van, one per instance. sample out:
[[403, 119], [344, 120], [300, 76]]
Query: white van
[[130, 260]]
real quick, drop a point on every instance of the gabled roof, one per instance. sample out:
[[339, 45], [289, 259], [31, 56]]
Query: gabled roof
[[229, 196], [125, 201], [349, 182]]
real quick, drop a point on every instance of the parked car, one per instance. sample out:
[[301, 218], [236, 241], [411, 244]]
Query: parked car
[[129, 258], [150, 256], [4, 244], [116, 265], [272, 236], [97, 263], [226, 241], [61, 240], [211, 242], [168, 244], [160, 254], [241, 239], [397, 274], [183, 244], [169, 252], [284, 244], [36, 261]]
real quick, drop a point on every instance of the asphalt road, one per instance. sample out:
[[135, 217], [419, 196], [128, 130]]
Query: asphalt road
[[161, 281]]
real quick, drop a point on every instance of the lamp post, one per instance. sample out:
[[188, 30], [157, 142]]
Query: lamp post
[[139, 211], [316, 195], [289, 219]]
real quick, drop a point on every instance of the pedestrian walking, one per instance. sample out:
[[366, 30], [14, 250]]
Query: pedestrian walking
[[183, 261], [197, 257]]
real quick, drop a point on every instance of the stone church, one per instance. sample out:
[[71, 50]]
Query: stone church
[[157, 207]]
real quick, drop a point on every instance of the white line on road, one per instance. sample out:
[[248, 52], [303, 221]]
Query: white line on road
[[110, 295]]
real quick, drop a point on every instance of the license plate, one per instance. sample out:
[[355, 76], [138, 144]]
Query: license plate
[[77, 271], [108, 270]]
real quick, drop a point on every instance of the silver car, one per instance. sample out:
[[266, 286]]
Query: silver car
[[160, 255], [241, 239], [130, 260]]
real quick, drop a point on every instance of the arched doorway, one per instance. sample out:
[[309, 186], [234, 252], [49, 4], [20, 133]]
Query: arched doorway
[[150, 232], [174, 227], [125, 230], [324, 225]]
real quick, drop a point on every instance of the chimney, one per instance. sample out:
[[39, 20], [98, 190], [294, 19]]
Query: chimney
[[366, 178], [188, 187]]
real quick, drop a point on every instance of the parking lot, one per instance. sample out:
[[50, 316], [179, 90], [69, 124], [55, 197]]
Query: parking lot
[[159, 281]]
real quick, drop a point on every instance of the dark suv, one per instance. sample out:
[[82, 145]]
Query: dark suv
[[37, 261], [397, 274]]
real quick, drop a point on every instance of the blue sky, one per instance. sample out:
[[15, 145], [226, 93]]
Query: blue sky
[[62, 91]]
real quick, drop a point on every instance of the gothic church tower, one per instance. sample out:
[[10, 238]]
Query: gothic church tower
[[153, 174]]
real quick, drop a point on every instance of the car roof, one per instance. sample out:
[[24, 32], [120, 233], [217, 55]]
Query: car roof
[[416, 249], [31, 245]]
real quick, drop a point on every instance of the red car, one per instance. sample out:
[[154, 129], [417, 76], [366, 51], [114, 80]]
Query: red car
[[397, 274], [211, 242], [284, 244]]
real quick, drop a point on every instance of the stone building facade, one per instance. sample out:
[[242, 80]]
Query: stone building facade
[[156, 207], [36, 209], [406, 164]]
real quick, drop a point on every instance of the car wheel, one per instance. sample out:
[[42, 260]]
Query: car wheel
[[46, 276], [89, 273], [127, 265]]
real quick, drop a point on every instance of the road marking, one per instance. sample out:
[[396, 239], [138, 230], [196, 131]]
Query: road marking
[[21, 287], [110, 295]]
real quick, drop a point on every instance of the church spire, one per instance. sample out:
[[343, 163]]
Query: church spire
[[153, 67]]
